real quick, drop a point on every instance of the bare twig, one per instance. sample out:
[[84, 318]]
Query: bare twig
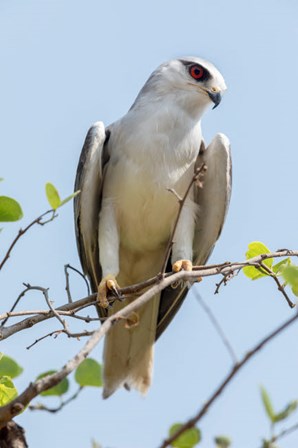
[[56, 333], [21, 232], [42, 407], [67, 286], [217, 326], [48, 312], [226, 268], [235, 369], [181, 200], [14, 306], [284, 433]]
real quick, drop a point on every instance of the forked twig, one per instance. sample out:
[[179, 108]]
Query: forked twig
[[200, 171], [21, 232]]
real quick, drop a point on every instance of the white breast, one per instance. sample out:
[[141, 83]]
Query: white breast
[[147, 158]]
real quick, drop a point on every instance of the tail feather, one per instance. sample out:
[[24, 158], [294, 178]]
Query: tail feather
[[128, 352]]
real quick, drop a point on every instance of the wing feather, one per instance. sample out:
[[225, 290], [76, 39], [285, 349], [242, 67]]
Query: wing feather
[[213, 200], [89, 180]]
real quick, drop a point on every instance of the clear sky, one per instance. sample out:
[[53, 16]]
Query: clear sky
[[66, 64]]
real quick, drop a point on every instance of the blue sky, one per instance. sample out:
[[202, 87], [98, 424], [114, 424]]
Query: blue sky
[[66, 64]]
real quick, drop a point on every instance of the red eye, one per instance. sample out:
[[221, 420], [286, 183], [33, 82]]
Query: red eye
[[196, 71]]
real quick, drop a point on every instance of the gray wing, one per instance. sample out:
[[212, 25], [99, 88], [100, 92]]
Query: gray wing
[[213, 200], [89, 180]]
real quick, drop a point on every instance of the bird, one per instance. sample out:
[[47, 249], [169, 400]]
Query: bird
[[126, 209]]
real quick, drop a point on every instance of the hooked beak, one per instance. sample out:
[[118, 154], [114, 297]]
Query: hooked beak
[[215, 97]]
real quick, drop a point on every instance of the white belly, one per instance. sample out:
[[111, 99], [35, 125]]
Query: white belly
[[144, 207]]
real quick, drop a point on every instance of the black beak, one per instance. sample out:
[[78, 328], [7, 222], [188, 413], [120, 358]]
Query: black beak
[[215, 97]]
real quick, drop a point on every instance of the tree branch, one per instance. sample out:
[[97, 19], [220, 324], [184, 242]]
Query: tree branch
[[218, 391], [158, 281], [217, 327], [199, 172], [21, 232]]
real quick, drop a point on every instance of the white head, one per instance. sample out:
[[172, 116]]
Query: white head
[[192, 82]]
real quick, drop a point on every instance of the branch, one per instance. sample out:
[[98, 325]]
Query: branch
[[16, 406], [279, 285], [21, 232], [199, 172], [284, 433], [218, 391], [225, 269], [217, 326], [13, 408], [42, 407]]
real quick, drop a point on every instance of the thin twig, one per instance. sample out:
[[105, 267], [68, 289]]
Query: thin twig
[[217, 326], [14, 306], [42, 407], [284, 433], [47, 312], [181, 201], [67, 286], [235, 369], [56, 333], [21, 232], [279, 285]]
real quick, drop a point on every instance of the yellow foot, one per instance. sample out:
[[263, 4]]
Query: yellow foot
[[108, 283], [179, 265]]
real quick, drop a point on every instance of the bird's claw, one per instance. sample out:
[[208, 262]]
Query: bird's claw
[[182, 265], [108, 283]]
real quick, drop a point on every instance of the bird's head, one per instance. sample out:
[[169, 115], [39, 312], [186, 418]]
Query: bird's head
[[193, 82]]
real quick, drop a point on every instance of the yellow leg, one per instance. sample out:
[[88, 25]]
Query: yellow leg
[[108, 283], [179, 265]]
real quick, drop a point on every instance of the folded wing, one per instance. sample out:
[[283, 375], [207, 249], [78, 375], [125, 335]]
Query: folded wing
[[213, 200]]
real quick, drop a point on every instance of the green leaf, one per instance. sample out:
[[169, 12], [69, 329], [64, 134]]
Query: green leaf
[[88, 373], [288, 410], [58, 390], [9, 367], [69, 198], [254, 249], [53, 196], [222, 442], [10, 209], [290, 275], [190, 438], [95, 444], [278, 267], [8, 390], [267, 404]]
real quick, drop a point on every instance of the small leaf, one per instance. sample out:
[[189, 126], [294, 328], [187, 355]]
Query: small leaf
[[58, 390], [53, 196], [10, 209], [288, 410], [267, 404], [88, 373], [254, 249], [9, 367], [95, 444], [222, 442], [290, 274], [278, 267], [8, 390], [190, 438], [69, 198]]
